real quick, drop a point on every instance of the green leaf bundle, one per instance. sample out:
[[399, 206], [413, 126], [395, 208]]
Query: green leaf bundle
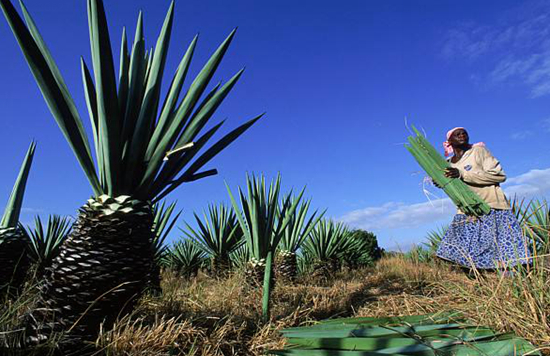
[[434, 165], [422, 335]]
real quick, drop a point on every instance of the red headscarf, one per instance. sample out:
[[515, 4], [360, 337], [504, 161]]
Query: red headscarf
[[447, 145]]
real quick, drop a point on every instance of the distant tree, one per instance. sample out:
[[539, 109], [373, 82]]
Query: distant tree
[[369, 242]]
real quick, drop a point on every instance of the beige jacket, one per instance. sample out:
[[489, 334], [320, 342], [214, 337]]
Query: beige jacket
[[483, 174]]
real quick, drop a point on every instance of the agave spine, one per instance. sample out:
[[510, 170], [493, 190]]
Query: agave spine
[[14, 261]]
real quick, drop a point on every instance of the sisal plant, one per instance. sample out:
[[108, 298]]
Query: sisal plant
[[298, 229], [218, 234]]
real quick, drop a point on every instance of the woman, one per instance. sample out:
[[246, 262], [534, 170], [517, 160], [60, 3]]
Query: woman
[[491, 241]]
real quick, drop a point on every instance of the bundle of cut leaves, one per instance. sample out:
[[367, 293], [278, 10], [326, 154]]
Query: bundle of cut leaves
[[434, 165], [433, 334]]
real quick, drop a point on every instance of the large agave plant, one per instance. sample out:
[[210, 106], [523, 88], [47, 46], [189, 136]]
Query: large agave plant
[[13, 258], [45, 243], [326, 245], [141, 157], [218, 234], [298, 229]]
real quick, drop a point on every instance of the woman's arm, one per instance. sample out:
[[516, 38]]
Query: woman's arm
[[490, 173]]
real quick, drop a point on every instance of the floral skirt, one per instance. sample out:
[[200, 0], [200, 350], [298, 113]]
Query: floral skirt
[[491, 241]]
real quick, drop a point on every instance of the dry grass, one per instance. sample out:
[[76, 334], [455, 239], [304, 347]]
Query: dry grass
[[519, 303], [208, 316]]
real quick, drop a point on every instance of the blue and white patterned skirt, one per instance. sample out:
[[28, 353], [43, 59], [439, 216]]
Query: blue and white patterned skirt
[[491, 241]]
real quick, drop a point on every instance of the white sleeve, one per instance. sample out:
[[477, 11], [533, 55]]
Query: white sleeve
[[491, 172]]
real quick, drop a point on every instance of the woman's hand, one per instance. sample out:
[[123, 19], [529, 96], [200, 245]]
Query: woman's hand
[[451, 172]]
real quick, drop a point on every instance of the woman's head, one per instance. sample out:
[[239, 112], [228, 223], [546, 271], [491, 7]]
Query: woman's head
[[457, 137]]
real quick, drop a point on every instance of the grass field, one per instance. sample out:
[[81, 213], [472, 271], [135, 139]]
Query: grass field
[[211, 316], [206, 316]]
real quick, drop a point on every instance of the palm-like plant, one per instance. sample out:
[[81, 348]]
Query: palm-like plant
[[434, 238], [13, 258], [219, 234], [45, 244], [240, 258], [426, 252], [163, 223], [297, 230], [535, 222], [185, 257], [419, 254], [325, 246], [139, 157], [263, 222], [305, 264]]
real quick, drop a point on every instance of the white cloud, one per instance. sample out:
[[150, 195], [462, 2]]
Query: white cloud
[[397, 215], [468, 40], [521, 135], [534, 183], [31, 210], [517, 48], [511, 66], [26, 210], [546, 124]]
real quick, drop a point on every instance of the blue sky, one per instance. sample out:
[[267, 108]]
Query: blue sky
[[337, 80]]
